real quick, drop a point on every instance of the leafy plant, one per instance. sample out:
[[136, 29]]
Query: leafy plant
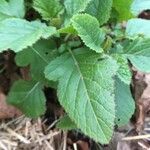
[[70, 46]]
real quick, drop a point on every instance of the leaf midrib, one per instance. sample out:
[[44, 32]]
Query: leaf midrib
[[37, 53], [81, 76], [32, 89]]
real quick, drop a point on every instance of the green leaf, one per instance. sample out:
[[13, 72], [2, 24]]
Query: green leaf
[[140, 5], [18, 34], [89, 31], [123, 9], [125, 105], [75, 6], [13, 8], [142, 63], [85, 90], [124, 73], [38, 56], [48, 8], [138, 47], [66, 123], [68, 29], [136, 27], [28, 97], [138, 52], [100, 9]]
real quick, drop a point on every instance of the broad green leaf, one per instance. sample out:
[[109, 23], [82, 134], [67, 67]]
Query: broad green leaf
[[18, 34], [38, 56], [136, 27], [12, 8], [125, 105], [124, 73], [140, 5], [85, 90], [100, 9], [89, 31], [75, 6], [48, 8], [138, 47], [28, 97], [142, 63], [123, 9], [66, 123], [138, 52]]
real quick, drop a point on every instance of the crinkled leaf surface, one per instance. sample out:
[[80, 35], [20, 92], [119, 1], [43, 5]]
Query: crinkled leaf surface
[[66, 123], [124, 73], [48, 8], [12, 8], [75, 6], [38, 56], [18, 34], [123, 9], [85, 90], [138, 52], [136, 27], [28, 97], [100, 9], [140, 5], [125, 105], [89, 31]]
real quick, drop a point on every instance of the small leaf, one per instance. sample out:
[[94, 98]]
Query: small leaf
[[48, 8], [38, 56], [13, 8], [66, 123], [123, 9], [18, 34], [136, 27], [28, 97], [125, 105], [85, 90], [100, 9], [89, 31], [140, 5]]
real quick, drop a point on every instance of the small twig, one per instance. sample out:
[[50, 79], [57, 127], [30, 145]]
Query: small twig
[[47, 137], [26, 131], [75, 146], [143, 146], [52, 125], [3, 146], [48, 145], [146, 129], [139, 137], [21, 138], [65, 141], [38, 139], [11, 122], [10, 143]]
